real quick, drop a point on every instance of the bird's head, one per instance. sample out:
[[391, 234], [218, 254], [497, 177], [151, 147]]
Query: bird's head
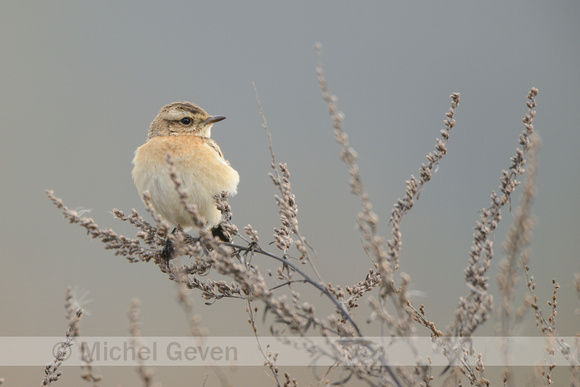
[[183, 118]]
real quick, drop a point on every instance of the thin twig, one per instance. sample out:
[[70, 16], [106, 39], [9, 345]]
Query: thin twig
[[257, 249], [287, 210]]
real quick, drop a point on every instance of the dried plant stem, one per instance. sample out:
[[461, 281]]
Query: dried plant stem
[[517, 256], [386, 260], [286, 203], [474, 309], [183, 196], [548, 325], [71, 305], [145, 373], [255, 249], [269, 358], [367, 220], [51, 373]]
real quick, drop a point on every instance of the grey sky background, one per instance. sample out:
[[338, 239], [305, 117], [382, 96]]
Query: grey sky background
[[80, 83]]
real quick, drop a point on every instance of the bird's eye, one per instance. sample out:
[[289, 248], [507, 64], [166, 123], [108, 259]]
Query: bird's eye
[[186, 121]]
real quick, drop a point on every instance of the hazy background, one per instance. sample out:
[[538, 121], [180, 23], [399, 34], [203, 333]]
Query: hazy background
[[81, 81]]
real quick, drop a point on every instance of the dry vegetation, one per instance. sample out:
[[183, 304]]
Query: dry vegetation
[[384, 289]]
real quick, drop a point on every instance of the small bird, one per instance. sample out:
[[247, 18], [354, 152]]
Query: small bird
[[183, 130]]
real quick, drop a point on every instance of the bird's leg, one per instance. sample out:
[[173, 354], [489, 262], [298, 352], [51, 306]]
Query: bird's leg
[[220, 233], [168, 252], [169, 248]]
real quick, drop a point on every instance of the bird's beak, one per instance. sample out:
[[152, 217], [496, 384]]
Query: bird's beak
[[214, 119]]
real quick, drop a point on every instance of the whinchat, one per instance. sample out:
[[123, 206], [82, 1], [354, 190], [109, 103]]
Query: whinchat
[[183, 130]]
